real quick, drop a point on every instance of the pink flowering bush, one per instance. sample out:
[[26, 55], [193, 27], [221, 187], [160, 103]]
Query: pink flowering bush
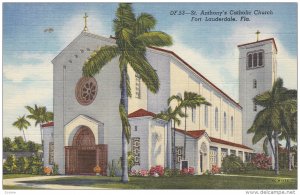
[[262, 161], [156, 169], [189, 171], [215, 169], [142, 173]]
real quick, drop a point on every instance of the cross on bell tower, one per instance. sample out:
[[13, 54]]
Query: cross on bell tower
[[257, 35], [85, 29]]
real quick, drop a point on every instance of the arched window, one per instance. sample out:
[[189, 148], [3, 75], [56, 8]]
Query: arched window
[[231, 125], [255, 60], [225, 122], [137, 86], [260, 58], [250, 61], [216, 118], [254, 83], [206, 116]]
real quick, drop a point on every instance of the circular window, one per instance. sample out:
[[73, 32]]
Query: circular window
[[86, 90]]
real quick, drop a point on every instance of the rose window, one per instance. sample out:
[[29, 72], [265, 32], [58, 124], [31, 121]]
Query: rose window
[[86, 90]]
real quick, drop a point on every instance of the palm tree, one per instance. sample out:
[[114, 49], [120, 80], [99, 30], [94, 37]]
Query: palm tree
[[40, 115], [289, 129], [269, 118], [189, 100], [171, 115], [21, 123], [133, 35]]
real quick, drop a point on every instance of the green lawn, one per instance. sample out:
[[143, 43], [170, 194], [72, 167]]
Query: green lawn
[[188, 182], [10, 176], [284, 173], [5, 187]]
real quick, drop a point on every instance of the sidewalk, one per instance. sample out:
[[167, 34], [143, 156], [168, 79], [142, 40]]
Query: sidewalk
[[20, 182]]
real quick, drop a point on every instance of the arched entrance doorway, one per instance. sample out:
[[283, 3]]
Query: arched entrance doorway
[[203, 158], [84, 154]]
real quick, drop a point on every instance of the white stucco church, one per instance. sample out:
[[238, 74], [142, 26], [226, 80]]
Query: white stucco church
[[86, 130]]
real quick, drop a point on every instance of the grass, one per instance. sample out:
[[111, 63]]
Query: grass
[[284, 173], [11, 176], [14, 187], [184, 182]]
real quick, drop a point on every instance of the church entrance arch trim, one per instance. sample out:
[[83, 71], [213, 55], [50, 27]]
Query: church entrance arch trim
[[72, 127]]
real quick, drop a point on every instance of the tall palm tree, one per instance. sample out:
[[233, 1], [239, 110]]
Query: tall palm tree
[[269, 118], [21, 123], [189, 100], [289, 129], [170, 115], [133, 35], [40, 115]]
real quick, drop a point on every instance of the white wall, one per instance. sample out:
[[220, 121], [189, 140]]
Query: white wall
[[47, 138], [105, 107], [182, 79]]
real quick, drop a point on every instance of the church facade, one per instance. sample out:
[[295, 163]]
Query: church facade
[[87, 129]]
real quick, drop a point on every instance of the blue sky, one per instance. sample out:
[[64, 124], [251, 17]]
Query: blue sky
[[208, 46]]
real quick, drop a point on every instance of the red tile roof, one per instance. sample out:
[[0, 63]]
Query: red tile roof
[[270, 39], [220, 141], [194, 134], [49, 124], [198, 133], [198, 73], [141, 113]]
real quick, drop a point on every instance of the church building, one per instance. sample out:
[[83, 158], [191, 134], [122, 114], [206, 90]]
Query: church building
[[86, 130]]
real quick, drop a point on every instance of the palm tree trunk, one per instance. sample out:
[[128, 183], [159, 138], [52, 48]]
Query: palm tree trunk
[[24, 135], [276, 153], [174, 152], [288, 143], [41, 135], [271, 144], [124, 102], [184, 146]]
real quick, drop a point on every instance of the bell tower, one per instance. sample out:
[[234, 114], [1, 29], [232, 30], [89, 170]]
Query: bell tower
[[257, 72]]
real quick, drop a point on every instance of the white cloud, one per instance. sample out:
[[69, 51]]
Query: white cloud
[[41, 71], [26, 84]]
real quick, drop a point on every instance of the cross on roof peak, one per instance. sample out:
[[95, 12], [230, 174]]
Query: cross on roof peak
[[257, 35]]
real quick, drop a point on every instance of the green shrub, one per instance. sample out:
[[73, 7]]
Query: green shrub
[[171, 172], [250, 167], [232, 164], [114, 168], [22, 165], [55, 169], [10, 165], [36, 165]]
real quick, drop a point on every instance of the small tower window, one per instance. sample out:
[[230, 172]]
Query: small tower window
[[254, 83], [254, 107], [137, 86], [250, 61]]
